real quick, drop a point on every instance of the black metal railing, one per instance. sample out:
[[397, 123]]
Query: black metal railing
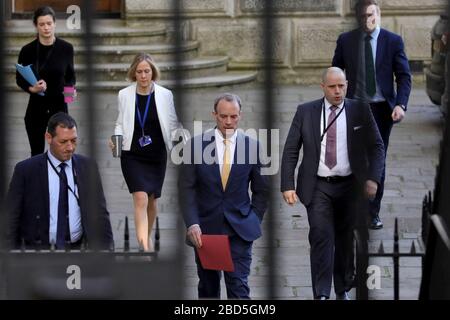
[[364, 253]]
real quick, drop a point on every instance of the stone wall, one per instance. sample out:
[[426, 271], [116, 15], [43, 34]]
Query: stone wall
[[304, 33]]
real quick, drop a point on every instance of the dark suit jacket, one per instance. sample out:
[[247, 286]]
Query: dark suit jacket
[[202, 197], [364, 144], [28, 203], [390, 60]]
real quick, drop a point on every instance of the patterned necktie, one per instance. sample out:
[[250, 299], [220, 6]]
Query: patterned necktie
[[370, 68], [330, 150], [63, 231], [226, 167]]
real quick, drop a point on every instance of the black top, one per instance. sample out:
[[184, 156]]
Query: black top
[[157, 149], [53, 63]]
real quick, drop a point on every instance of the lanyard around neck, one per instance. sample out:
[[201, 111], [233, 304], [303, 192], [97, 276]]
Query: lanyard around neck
[[331, 123], [144, 118], [59, 176]]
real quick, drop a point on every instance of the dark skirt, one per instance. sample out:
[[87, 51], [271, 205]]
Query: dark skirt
[[143, 174]]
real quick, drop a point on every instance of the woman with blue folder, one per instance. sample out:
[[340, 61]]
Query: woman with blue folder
[[51, 59]]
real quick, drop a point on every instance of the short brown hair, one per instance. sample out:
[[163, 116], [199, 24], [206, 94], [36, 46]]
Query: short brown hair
[[43, 11], [131, 74], [361, 5]]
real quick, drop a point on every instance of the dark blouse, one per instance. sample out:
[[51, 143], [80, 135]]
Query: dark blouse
[[156, 151], [54, 64]]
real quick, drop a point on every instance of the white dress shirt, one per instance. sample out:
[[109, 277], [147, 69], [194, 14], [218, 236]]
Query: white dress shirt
[[220, 147], [342, 167], [76, 230]]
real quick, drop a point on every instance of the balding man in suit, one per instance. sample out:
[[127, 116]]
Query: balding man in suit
[[343, 155]]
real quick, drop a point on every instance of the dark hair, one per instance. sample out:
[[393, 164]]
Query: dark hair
[[131, 74], [230, 97], [361, 5], [43, 11], [60, 119]]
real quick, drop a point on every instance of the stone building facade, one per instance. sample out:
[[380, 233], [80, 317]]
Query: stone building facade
[[304, 33]]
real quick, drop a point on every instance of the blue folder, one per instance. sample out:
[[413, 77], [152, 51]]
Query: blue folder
[[28, 74]]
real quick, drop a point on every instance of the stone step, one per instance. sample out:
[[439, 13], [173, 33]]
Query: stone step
[[121, 53], [108, 32], [226, 79], [199, 67]]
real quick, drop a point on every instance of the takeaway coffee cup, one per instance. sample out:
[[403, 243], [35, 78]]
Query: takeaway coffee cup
[[117, 141]]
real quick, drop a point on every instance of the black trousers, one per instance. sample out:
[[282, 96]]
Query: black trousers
[[331, 217], [382, 113], [36, 120]]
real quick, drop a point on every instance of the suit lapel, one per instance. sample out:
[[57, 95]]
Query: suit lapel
[[349, 115], [315, 121], [380, 49], [43, 177], [209, 142]]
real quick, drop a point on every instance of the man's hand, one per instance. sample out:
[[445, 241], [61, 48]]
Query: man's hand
[[290, 197], [371, 189], [194, 235], [398, 114]]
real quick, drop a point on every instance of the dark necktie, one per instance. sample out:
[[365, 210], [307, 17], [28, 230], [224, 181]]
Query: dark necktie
[[330, 150], [63, 231], [370, 68]]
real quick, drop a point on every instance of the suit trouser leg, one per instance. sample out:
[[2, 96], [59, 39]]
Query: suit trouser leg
[[344, 223], [383, 117], [331, 220], [321, 240], [209, 281], [237, 281]]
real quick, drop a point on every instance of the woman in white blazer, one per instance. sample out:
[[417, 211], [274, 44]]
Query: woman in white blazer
[[147, 121]]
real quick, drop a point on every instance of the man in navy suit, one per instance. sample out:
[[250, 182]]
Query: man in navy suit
[[57, 197], [218, 168], [371, 57], [342, 162]]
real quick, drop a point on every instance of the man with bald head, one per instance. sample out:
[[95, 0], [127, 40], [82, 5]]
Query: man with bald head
[[342, 161]]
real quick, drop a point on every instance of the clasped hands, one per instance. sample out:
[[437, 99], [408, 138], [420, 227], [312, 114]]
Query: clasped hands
[[38, 87]]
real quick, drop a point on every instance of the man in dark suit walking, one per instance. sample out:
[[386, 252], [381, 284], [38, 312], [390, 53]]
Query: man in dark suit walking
[[218, 168], [342, 158], [371, 57], [50, 194]]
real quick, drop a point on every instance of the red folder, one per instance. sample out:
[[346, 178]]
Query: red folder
[[215, 253]]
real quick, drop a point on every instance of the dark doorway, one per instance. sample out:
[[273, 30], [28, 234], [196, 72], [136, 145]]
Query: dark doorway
[[23, 9]]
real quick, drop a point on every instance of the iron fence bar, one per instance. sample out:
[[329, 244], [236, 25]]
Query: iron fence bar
[[396, 262], [362, 292], [87, 12], [179, 95], [269, 85], [3, 152]]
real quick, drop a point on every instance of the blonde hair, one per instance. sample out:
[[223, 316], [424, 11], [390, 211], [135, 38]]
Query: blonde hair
[[131, 74]]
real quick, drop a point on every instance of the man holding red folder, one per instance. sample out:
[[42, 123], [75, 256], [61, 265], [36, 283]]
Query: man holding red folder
[[218, 168]]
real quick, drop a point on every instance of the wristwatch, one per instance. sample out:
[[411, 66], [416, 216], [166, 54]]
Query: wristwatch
[[402, 106]]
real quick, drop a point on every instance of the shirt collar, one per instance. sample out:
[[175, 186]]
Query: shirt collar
[[57, 162], [328, 104], [219, 137], [375, 33]]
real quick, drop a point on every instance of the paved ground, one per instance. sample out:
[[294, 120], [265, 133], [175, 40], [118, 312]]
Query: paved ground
[[411, 169]]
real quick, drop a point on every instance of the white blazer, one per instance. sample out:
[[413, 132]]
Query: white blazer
[[164, 107]]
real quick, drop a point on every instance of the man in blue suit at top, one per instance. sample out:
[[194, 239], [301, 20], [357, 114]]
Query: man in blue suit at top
[[371, 57], [218, 168]]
